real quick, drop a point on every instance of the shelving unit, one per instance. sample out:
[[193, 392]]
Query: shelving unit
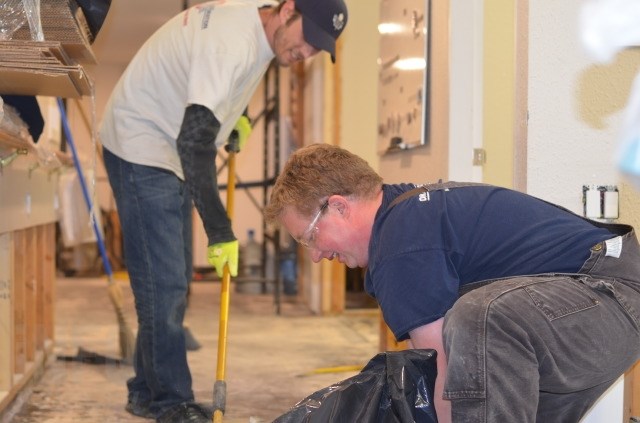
[[28, 187], [27, 265]]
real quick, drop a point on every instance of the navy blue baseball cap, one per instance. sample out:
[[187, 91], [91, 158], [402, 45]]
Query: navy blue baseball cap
[[322, 23]]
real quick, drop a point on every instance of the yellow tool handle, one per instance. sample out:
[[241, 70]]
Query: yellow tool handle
[[220, 396]]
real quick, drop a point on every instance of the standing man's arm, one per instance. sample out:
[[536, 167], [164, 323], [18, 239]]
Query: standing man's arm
[[197, 151], [430, 336]]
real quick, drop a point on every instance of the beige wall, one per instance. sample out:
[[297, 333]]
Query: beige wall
[[359, 87], [499, 88]]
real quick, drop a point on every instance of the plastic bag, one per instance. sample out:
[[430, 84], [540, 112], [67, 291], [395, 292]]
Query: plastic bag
[[609, 26], [32, 10], [12, 124], [12, 17], [75, 221], [629, 151], [394, 386]]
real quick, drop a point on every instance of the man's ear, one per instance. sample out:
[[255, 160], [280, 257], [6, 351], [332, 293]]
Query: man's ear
[[287, 10], [339, 204]]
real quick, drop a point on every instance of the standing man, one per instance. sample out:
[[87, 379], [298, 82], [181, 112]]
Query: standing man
[[534, 311], [177, 102]]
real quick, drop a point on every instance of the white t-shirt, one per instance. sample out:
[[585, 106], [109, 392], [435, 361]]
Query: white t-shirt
[[213, 54]]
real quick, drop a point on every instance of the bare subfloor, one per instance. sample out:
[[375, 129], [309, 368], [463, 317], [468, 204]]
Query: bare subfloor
[[273, 360]]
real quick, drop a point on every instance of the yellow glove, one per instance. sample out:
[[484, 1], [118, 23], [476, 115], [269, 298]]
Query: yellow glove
[[224, 253], [243, 128]]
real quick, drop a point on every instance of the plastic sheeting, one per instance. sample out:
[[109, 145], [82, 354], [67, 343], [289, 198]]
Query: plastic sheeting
[[629, 151], [75, 222], [32, 10], [12, 17], [393, 387], [609, 26]]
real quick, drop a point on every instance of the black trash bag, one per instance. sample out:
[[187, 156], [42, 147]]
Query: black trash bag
[[394, 386]]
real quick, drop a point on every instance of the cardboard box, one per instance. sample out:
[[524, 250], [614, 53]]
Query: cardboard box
[[40, 68]]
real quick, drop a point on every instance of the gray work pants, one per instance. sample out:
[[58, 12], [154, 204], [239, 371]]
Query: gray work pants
[[544, 348]]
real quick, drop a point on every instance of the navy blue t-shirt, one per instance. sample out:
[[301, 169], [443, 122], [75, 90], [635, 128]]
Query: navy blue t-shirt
[[423, 250]]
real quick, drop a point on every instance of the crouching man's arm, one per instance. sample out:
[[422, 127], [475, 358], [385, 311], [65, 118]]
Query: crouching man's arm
[[430, 336]]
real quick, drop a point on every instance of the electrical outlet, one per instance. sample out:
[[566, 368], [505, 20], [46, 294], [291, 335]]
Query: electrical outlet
[[479, 156], [600, 201]]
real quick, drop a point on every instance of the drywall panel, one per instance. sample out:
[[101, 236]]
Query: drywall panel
[[28, 198]]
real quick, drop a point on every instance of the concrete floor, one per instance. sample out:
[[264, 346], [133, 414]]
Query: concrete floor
[[273, 360]]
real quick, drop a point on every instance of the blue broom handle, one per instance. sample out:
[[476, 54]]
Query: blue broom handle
[[85, 192]]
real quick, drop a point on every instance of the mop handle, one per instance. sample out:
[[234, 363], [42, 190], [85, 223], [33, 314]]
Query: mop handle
[[85, 191]]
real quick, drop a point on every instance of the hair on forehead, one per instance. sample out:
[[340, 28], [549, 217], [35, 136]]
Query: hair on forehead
[[315, 172]]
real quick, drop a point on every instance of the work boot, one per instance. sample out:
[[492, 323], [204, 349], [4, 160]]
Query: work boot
[[139, 410], [186, 413]]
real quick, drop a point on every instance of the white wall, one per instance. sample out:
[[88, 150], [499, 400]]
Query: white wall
[[575, 107], [465, 87]]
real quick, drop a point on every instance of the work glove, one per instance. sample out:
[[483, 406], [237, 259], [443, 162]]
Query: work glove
[[243, 128], [224, 253]]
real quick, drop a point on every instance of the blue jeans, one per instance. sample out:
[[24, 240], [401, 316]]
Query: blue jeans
[[544, 348], [155, 214]]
